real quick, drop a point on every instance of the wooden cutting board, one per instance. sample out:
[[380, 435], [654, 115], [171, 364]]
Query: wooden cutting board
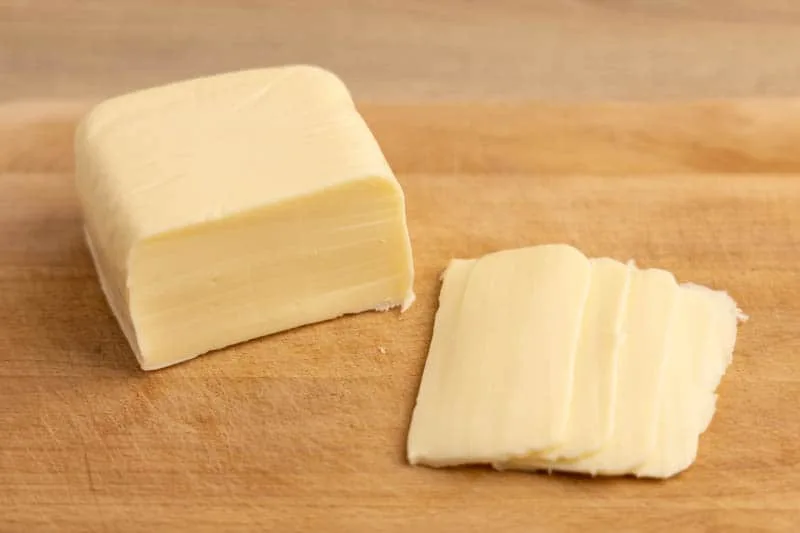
[[305, 430]]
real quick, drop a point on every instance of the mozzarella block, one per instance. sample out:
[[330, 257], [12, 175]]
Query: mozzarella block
[[498, 381], [613, 374], [230, 207]]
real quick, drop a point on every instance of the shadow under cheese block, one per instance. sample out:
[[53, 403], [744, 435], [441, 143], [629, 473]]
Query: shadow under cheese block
[[542, 359], [230, 207]]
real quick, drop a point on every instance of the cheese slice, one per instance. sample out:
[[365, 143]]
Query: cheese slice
[[687, 341], [711, 366], [641, 379], [700, 345], [594, 395], [641, 370], [230, 207], [508, 385], [428, 440]]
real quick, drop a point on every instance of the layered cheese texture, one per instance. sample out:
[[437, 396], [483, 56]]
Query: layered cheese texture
[[229, 207], [542, 359]]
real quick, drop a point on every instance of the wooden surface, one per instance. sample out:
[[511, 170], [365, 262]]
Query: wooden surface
[[412, 49], [305, 430]]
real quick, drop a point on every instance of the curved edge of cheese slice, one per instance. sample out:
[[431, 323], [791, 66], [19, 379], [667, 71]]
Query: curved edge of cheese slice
[[703, 339]]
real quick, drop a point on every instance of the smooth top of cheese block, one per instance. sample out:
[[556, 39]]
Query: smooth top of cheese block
[[171, 150]]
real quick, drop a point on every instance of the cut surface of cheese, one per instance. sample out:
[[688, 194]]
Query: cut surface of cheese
[[507, 386], [230, 207]]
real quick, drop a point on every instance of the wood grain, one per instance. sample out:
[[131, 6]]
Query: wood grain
[[305, 430], [411, 50]]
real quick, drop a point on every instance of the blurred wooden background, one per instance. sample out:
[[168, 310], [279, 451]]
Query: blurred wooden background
[[411, 50]]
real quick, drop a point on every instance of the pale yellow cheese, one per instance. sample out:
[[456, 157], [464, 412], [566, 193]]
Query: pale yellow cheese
[[681, 398], [640, 378], [594, 392], [501, 385], [646, 357], [700, 345], [640, 381], [225, 208], [711, 366], [428, 441]]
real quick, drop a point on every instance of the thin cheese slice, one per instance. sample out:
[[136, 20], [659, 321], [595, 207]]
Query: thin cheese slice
[[641, 377], [632, 360], [428, 441], [508, 389], [710, 368], [640, 380], [230, 207], [700, 344], [591, 419], [687, 341]]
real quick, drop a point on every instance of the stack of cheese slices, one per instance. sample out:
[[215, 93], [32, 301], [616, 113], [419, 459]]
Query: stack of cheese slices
[[542, 359]]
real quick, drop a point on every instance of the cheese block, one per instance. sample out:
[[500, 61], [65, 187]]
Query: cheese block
[[234, 206], [498, 382]]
